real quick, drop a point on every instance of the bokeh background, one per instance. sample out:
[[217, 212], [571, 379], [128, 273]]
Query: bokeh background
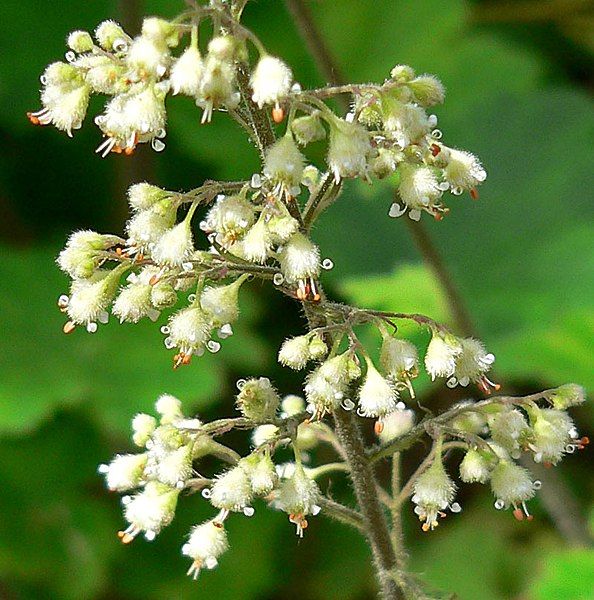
[[520, 81]]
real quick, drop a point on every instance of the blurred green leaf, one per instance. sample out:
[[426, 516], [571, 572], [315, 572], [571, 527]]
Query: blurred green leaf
[[118, 371], [566, 575]]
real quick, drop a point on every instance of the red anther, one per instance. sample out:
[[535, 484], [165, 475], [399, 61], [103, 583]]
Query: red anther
[[474, 194], [33, 119], [518, 514], [547, 465], [435, 149], [69, 327], [438, 216], [585, 441], [218, 524], [378, 427], [129, 151], [530, 518], [278, 114]]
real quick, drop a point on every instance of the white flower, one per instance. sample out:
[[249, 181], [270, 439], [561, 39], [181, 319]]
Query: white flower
[[298, 497], [258, 400], [463, 169], [206, 544], [134, 301], [111, 36], [143, 427], [80, 41], [175, 467], [270, 81], [475, 467], [299, 259], [175, 245], [407, 123], [472, 364], [143, 196], [81, 256], [377, 396], [149, 511], [553, 430], [434, 491], [441, 356], [283, 165], [419, 190], [221, 302], [400, 360], [294, 352], [135, 117], [148, 226], [263, 434], [427, 90], [189, 330], [169, 407], [125, 472], [148, 57], [395, 424], [512, 485], [567, 395], [232, 491], [348, 149], [217, 86], [261, 472], [308, 129], [256, 244], [186, 73], [231, 217], [509, 429]]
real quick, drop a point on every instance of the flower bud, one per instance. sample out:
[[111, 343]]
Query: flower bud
[[434, 491], [475, 467], [175, 245], [169, 407], [147, 227], [292, 405], [509, 429], [148, 57], [384, 164], [206, 544], [263, 434], [160, 30], [348, 149], [567, 395], [469, 421], [142, 196], [231, 490], [377, 396], [280, 224], [110, 35], [125, 472], [149, 511], [175, 468], [223, 47], [427, 90], [82, 254], [163, 295], [317, 347], [441, 356], [143, 427], [186, 73], [299, 259], [221, 302], [80, 41], [270, 81], [256, 244], [294, 352], [283, 165], [402, 73], [261, 472], [395, 424], [399, 358], [307, 438], [258, 400], [308, 129]]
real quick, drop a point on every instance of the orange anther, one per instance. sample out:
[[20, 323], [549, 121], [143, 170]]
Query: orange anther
[[474, 194], [438, 216], [425, 527], [378, 427], [129, 151], [585, 441], [278, 114], [33, 119], [126, 538], [69, 327], [530, 518], [518, 514], [153, 280]]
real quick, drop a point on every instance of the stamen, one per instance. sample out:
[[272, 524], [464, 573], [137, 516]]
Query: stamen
[[278, 114], [69, 327]]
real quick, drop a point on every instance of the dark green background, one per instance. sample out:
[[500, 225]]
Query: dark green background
[[519, 79]]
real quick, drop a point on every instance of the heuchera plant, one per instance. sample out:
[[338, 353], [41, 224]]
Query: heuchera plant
[[259, 228]]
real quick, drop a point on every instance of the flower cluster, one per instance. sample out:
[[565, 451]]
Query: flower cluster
[[170, 447]]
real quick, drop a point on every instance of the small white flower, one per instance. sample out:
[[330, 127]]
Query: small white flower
[[143, 196], [472, 364], [134, 301], [475, 467], [283, 165], [80, 41], [125, 472], [512, 485], [509, 429], [189, 330], [149, 511], [270, 81], [463, 169], [206, 544], [395, 424], [221, 302], [348, 149], [217, 86], [148, 57], [147, 227], [169, 407], [143, 427], [294, 352], [232, 490], [230, 217], [377, 396], [298, 497], [299, 259], [553, 431], [111, 36], [256, 244], [186, 73], [419, 190], [263, 434], [258, 400], [175, 468], [175, 245], [441, 356], [434, 491]]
